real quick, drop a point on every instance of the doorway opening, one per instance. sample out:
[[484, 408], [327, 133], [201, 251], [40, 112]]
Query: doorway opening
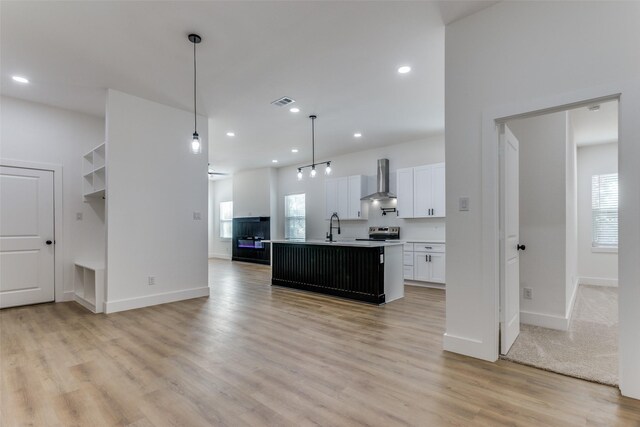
[[558, 241]]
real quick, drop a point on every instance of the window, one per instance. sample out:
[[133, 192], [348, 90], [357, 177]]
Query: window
[[294, 217], [226, 219], [604, 209]]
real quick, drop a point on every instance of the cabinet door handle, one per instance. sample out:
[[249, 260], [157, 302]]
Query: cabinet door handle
[[429, 258], [358, 214], [426, 258]]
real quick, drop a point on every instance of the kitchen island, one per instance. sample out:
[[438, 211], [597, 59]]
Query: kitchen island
[[361, 270]]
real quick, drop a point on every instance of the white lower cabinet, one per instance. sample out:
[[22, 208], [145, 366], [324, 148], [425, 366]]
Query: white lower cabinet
[[424, 262]]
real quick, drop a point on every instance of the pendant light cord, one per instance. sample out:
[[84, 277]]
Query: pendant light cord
[[313, 142], [195, 111]]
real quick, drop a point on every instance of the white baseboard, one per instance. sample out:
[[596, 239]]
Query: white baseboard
[[468, 347], [148, 300], [597, 281], [544, 320], [572, 302], [67, 296], [219, 256], [425, 284]]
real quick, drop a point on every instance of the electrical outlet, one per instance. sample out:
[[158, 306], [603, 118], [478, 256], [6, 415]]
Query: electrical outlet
[[527, 293], [197, 216], [152, 280], [78, 216]]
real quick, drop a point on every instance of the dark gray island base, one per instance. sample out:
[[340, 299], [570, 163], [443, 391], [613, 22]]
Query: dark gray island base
[[363, 271]]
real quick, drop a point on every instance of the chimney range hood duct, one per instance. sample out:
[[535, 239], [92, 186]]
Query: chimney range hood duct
[[382, 182]]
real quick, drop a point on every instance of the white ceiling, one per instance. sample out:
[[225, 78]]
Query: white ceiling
[[595, 127], [336, 59]]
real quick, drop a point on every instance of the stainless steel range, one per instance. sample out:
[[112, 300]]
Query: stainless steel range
[[383, 233]]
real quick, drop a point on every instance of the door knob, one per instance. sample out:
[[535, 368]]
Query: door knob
[[48, 242], [521, 247]]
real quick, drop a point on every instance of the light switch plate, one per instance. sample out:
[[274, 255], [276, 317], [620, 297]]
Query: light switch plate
[[463, 204]]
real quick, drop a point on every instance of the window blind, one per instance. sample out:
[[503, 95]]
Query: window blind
[[604, 209], [294, 216]]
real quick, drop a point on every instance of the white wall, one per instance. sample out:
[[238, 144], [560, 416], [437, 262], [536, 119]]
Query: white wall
[[154, 185], [542, 214], [552, 49], [363, 163], [219, 191], [594, 267], [39, 133], [252, 192]]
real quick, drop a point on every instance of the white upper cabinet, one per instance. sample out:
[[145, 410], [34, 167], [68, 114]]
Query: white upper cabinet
[[342, 196], [405, 193], [357, 190], [438, 197], [421, 191]]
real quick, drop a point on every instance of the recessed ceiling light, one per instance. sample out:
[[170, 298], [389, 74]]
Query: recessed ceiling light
[[274, 161], [357, 135], [294, 109], [294, 150], [404, 69], [20, 79], [231, 134]]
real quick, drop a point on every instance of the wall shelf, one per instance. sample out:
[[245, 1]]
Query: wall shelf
[[94, 172], [88, 285]]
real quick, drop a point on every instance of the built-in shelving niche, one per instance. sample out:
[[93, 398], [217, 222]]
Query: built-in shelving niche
[[94, 172]]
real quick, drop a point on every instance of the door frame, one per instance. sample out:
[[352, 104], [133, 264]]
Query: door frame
[[58, 247], [628, 96]]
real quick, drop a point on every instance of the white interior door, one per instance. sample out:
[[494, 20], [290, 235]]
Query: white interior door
[[26, 237], [509, 239]]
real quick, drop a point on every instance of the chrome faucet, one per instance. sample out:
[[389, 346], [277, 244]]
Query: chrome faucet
[[330, 233]]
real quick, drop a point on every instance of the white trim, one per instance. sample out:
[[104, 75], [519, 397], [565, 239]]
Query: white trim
[[58, 247], [551, 321], [467, 346], [604, 250], [68, 296], [219, 256], [598, 281], [628, 95], [421, 284], [148, 300], [572, 301]]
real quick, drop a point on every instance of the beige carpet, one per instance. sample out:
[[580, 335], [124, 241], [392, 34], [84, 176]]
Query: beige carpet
[[588, 350]]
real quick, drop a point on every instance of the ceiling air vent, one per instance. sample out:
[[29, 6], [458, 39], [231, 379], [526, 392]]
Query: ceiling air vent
[[285, 100]]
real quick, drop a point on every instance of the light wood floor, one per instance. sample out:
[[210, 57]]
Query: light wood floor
[[256, 355]]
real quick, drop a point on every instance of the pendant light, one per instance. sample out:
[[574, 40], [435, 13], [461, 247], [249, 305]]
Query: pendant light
[[196, 144], [313, 164]]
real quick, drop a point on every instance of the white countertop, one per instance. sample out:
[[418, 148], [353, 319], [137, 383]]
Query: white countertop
[[365, 243], [426, 241]]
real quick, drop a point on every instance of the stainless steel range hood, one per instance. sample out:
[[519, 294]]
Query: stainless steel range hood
[[383, 183]]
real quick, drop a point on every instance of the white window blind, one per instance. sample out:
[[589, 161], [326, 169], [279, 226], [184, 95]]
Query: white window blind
[[294, 216], [226, 219], [604, 209]]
